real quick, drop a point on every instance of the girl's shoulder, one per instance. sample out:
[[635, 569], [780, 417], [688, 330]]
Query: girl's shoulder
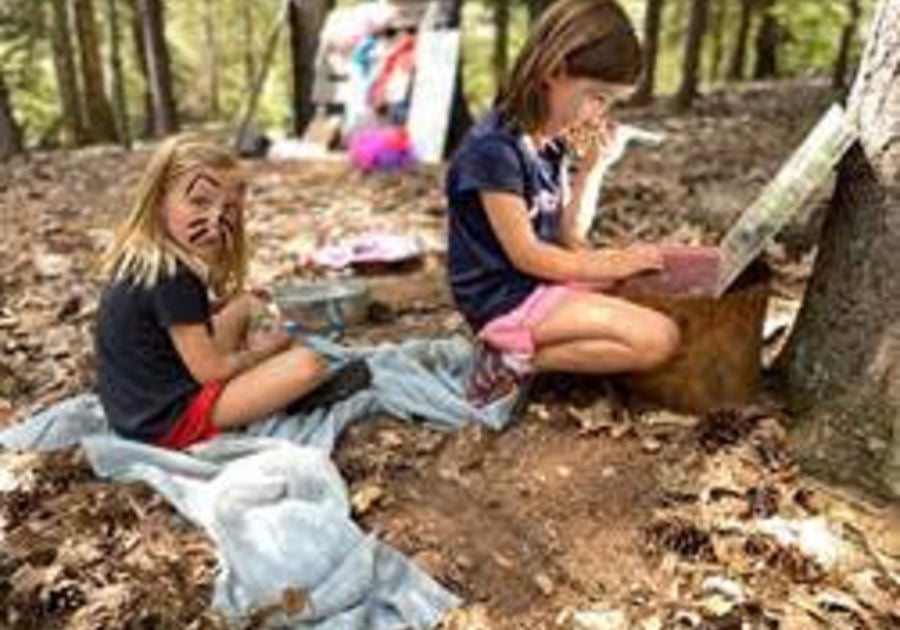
[[491, 139]]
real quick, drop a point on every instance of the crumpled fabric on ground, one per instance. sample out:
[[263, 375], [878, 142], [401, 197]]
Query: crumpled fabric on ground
[[274, 504]]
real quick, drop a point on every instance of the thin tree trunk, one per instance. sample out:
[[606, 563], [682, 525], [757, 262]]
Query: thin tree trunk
[[652, 22], [101, 123], [460, 113], [739, 58], [249, 44], [260, 80], [500, 56], [842, 61], [693, 54], [718, 39], [10, 132], [306, 21], [768, 38], [212, 58], [842, 362], [118, 80], [74, 132], [137, 33], [535, 8], [165, 120]]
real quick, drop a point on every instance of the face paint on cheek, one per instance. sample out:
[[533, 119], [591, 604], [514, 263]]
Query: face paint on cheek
[[197, 230]]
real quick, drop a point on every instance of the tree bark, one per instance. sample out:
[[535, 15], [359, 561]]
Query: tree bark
[[10, 132], [842, 362], [739, 58], [137, 33], [306, 20], [842, 61], [535, 8], [460, 113], [718, 38], [500, 55], [165, 119], [768, 39], [212, 59], [118, 80], [249, 43], [693, 54], [652, 23], [74, 132], [100, 121]]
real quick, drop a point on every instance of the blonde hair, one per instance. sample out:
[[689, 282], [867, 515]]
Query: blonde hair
[[143, 252], [581, 38]]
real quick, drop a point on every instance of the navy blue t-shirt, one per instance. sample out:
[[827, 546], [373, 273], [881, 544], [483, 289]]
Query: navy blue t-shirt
[[496, 157], [143, 383]]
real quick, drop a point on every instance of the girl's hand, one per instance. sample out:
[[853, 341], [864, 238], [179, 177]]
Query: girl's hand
[[619, 264], [265, 343], [592, 132], [645, 257]]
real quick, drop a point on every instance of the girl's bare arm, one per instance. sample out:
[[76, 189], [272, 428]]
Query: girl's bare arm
[[508, 216]]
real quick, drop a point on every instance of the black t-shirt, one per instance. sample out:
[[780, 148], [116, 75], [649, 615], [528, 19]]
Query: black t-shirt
[[496, 157], [143, 383]]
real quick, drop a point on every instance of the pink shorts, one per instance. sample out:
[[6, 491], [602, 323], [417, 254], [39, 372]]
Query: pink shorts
[[512, 333]]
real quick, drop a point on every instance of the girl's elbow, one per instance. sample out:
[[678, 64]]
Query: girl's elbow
[[211, 373]]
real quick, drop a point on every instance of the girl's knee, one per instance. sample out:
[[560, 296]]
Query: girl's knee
[[661, 345], [306, 364]]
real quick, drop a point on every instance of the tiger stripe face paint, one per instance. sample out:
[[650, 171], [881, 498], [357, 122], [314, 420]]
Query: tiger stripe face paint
[[203, 211]]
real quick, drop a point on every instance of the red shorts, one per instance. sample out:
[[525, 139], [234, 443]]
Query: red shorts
[[195, 422]]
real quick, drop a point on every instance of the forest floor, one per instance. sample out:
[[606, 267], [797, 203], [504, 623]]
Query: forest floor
[[583, 514]]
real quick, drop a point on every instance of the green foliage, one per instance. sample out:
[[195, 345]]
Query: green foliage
[[27, 64], [813, 27]]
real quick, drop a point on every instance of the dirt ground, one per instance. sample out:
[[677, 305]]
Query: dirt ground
[[583, 512]]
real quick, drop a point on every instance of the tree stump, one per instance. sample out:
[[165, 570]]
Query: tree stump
[[718, 363]]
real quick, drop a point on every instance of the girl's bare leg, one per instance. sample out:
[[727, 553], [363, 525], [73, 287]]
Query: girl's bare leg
[[601, 334], [268, 387]]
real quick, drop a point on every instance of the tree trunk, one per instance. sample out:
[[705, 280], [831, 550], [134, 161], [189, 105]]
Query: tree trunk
[[460, 113], [74, 132], [306, 20], [652, 22], [739, 58], [842, 61], [500, 56], [842, 363], [137, 33], [767, 41], [10, 133], [118, 79], [249, 44], [100, 121], [535, 8], [212, 59], [243, 139], [693, 54], [165, 120], [718, 39]]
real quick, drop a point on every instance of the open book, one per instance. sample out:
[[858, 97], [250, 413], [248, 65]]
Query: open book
[[807, 169]]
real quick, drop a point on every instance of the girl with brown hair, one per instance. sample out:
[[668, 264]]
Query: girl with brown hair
[[520, 272]]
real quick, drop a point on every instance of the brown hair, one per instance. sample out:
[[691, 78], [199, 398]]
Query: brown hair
[[582, 38], [142, 250]]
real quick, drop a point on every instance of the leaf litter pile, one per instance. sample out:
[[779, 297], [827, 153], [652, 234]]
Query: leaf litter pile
[[584, 514]]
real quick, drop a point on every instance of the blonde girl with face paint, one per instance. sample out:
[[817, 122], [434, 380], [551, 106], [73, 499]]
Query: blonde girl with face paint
[[172, 370], [519, 271]]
